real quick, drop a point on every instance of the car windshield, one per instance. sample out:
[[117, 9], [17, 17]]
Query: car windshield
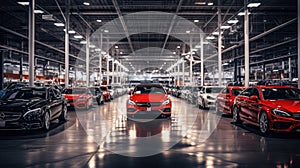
[[214, 90], [74, 91], [236, 92], [149, 90], [281, 93], [24, 94]]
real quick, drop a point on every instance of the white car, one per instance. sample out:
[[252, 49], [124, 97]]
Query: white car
[[207, 96]]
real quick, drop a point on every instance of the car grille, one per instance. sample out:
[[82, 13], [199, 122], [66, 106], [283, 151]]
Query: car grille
[[70, 101], [148, 104], [297, 116], [10, 116]]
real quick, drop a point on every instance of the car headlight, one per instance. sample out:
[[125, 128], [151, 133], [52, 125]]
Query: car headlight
[[34, 114], [166, 102], [210, 98], [280, 113], [131, 102]]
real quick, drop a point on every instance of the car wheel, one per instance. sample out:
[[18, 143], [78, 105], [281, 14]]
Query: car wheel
[[217, 109], [264, 123], [235, 115], [203, 104], [46, 121], [63, 115], [98, 102]]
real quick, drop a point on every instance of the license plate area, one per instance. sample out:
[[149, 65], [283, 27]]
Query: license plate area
[[148, 108], [2, 123]]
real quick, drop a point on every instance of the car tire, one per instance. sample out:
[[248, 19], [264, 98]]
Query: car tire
[[235, 115], [264, 123], [46, 123], [203, 104], [63, 115]]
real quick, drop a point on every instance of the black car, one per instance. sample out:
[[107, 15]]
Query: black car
[[97, 95], [31, 108]]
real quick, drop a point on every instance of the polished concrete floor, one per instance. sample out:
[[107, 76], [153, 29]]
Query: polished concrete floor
[[103, 137]]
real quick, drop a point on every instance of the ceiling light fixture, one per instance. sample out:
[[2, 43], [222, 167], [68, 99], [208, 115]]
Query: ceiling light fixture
[[83, 42], [188, 31], [178, 46], [200, 3], [225, 27], [196, 21], [23, 3], [78, 36], [233, 21], [253, 5], [106, 31], [59, 24], [72, 32], [116, 46], [99, 20], [243, 13], [86, 3], [210, 3], [216, 33], [38, 11], [210, 37], [97, 49], [92, 46]]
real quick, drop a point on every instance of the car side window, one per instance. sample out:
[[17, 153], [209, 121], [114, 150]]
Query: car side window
[[255, 92], [224, 91], [247, 92]]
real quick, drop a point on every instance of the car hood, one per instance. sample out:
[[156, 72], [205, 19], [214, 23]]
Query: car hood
[[289, 105], [72, 96], [20, 105], [148, 97]]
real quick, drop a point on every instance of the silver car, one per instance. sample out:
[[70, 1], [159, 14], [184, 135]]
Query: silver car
[[207, 96]]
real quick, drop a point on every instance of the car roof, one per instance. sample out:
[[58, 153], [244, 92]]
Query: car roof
[[272, 86]]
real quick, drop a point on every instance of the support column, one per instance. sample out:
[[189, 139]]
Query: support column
[[21, 68], [202, 59], [298, 45], [67, 23], [290, 69], [178, 78], [246, 36], [219, 44], [100, 58], [191, 61], [183, 71], [1, 69], [87, 57], [107, 70], [31, 40], [113, 71]]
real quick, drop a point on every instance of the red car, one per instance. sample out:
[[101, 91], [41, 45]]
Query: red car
[[106, 94], [149, 100], [224, 101], [78, 97], [272, 108]]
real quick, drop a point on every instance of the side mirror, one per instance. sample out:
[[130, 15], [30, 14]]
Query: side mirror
[[253, 97], [129, 92]]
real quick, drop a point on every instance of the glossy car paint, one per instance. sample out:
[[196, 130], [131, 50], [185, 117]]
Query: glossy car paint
[[250, 110], [148, 103], [224, 101], [79, 98], [15, 110]]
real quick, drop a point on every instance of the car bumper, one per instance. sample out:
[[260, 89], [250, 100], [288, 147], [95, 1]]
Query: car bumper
[[157, 111], [280, 124], [20, 125], [77, 105]]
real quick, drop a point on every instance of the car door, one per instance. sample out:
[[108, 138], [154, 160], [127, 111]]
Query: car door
[[243, 103], [56, 103], [221, 99], [254, 106]]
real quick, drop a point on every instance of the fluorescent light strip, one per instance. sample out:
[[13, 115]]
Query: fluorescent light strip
[[253, 5], [23, 3], [59, 24]]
